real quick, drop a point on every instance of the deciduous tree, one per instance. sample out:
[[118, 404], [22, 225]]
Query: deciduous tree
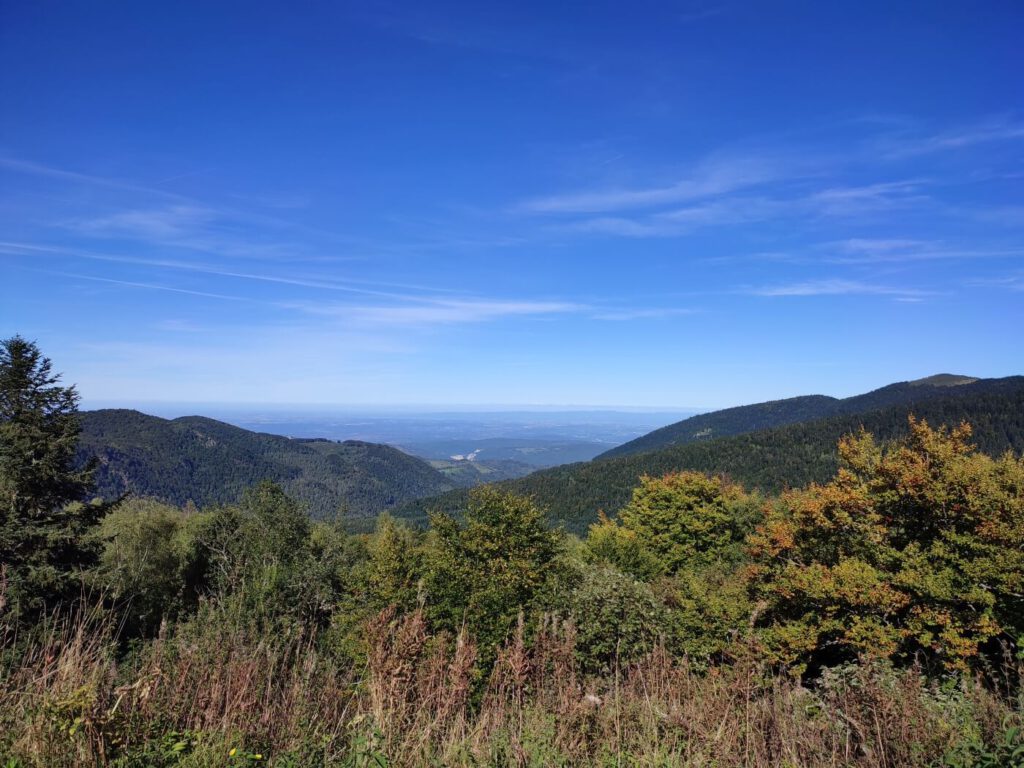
[[917, 548], [483, 571]]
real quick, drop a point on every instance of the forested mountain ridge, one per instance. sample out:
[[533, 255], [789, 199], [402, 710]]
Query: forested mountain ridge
[[210, 462], [778, 413], [768, 460]]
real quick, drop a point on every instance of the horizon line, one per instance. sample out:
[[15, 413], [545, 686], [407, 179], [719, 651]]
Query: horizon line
[[99, 403]]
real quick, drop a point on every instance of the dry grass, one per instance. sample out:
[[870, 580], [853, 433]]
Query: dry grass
[[212, 685]]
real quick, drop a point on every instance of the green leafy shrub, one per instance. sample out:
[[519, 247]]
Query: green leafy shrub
[[618, 619], [143, 562], [1006, 751], [482, 572]]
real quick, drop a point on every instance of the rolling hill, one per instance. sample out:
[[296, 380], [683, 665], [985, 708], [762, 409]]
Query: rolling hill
[[466, 473], [535, 452], [778, 413], [210, 462], [766, 459]]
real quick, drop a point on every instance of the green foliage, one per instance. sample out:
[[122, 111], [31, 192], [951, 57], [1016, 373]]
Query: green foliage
[[778, 413], [144, 562], [1005, 752], [274, 630], [914, 549], [770, 460], [275, 645], [210, 462], [260, 551], [688, 529], [685, 519], [483, 571], [708, 611], [610, 542], [394, 568], [42, 517], [618, 619]]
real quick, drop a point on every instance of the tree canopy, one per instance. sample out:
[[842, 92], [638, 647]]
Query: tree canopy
[[485, 570], [914, 549]]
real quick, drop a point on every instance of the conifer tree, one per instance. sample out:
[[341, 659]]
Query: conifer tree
[[42, 514]]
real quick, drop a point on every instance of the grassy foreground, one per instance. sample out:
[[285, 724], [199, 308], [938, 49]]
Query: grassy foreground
[[216, 693]]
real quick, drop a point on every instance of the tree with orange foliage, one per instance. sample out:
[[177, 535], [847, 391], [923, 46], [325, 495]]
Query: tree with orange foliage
[[916, 549]]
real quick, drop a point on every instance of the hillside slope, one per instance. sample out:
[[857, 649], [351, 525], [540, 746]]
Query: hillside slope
[[778, 413], [466, 474], [769, 460], [211, 462]]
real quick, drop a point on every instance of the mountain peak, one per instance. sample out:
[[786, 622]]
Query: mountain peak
[[943, 380]]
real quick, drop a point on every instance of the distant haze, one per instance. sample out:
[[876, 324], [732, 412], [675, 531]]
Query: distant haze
[[543, 437]]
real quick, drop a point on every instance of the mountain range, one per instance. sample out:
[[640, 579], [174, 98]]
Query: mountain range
[[777, 413], [767, 446], [210, 462]]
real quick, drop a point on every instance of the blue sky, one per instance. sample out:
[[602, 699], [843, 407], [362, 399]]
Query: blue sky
[[647, 204]]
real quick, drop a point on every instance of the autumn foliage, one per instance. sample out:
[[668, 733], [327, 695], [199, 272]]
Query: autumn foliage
[[913, 549]]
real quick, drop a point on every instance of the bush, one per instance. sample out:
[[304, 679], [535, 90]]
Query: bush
[[481, 573], [143, 562], [618, 619]]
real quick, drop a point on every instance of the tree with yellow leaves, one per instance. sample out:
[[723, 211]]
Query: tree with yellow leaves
[[916, 549]]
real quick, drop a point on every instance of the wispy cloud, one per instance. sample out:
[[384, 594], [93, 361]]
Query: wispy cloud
[[153, 216], [173, 221], [710, 179], [175, 325], [860, 199], [679, 221], [28, 167], [699, 13], [396, 308], [837, 202], [405, 310], [193, 227], [625, 227], [876, 251], [833, 287], [352, 286], [862, 245], [1011, 282], [997, 130], [151, 286], [781, 183], [1003, 215], [438, 312], [643, 314]]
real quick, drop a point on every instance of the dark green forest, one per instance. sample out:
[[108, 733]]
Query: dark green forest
[[767, 460], [209, 462], [778, 413]]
